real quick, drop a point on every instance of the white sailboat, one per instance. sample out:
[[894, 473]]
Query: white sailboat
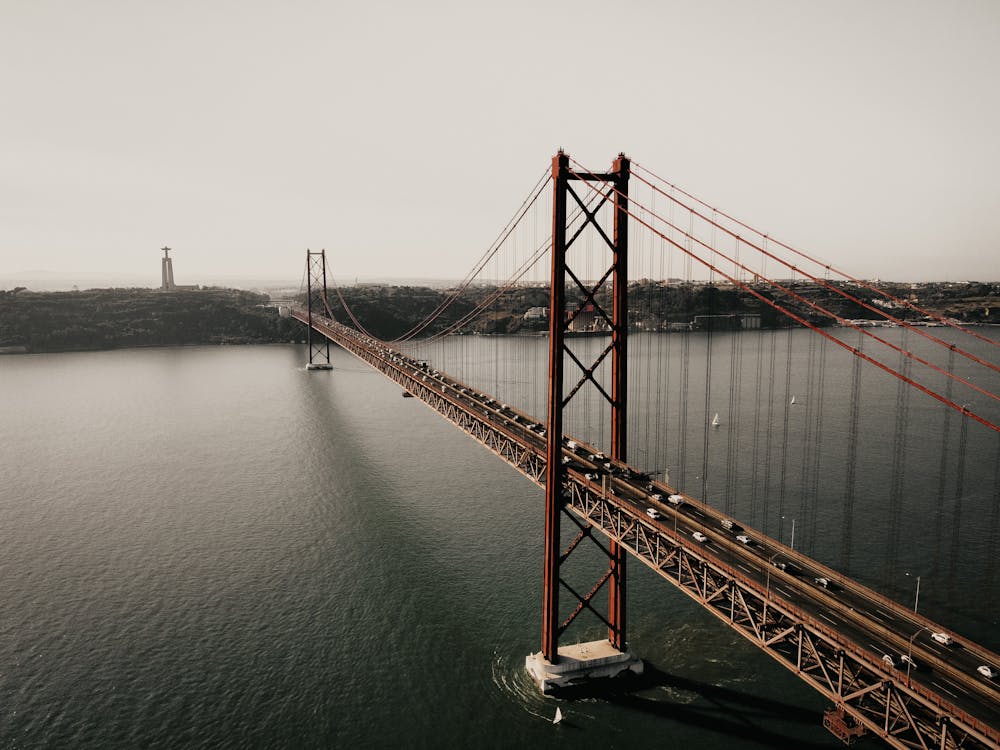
[[558, 717], [792, 401], [715, 420]]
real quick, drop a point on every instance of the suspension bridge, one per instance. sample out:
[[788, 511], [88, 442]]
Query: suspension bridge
[[695, 388]]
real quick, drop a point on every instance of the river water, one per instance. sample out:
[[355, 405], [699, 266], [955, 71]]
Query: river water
[[212, 547]]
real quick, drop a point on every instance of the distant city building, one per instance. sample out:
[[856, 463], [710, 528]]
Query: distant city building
[[535, 313], [731, 322], [584, 320]]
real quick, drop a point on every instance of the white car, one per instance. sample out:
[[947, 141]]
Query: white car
[[889, 662], [986, 672], [675, 500], [699, 537], [943, 638], [824, 582], [652, 513], [743, 539], [908, 661]]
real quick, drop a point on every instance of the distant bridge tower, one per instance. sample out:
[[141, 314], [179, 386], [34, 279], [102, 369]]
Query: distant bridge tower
[[553, 666], [167, 269], [319, 345]]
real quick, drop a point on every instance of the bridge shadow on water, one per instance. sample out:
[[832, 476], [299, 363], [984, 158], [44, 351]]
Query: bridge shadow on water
[[722, 710]]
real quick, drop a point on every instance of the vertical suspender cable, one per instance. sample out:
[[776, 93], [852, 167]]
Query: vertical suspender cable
[[943, 467], [803, 513], [898, 471], [817, 451], [782, 475], [956, 516], [852, 464], [994, 533]]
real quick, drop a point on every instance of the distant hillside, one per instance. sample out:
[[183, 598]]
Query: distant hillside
[[389, 311], [114, 318]]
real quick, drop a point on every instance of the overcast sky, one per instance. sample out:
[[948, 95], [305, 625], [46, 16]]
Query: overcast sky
[[402, 135]]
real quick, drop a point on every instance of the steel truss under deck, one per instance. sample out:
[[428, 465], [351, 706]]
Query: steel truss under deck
[[863, 689]]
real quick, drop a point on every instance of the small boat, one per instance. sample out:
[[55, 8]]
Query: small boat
[[792, 401], [715, 420], [558, 716]]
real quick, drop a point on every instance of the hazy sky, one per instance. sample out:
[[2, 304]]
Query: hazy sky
[[401, 135]]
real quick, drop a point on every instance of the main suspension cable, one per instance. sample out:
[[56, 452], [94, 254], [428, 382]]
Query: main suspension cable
[[847, 277], [799, 319]]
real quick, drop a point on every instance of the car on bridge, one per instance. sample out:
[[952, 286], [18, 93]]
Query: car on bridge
[[791, 568], [908, 661], [699, 537], [744, 539], [731, 525], [888, 661], [943, 638], [653, 513], [676, 500], [986, 671]]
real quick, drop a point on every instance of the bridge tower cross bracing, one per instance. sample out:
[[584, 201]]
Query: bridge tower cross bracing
[[319, 345], [548, 667]]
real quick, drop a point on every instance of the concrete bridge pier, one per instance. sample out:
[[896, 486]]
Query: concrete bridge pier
[[580, 664]]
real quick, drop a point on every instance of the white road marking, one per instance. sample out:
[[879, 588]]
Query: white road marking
[[828, 619], [942, 687]]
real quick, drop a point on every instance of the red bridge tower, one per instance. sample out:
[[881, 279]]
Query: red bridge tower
[[557, 666]]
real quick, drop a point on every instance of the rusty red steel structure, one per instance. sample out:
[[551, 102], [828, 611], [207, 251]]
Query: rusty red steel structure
[[559, 321], [871, 696], [837, 661], [319, 345]]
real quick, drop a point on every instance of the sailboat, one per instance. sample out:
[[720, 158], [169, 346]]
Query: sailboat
[[715, 420], [792, 401], [558, 717]]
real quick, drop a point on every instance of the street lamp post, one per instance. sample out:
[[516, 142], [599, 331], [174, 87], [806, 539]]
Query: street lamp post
[[792, 545], [767, 580], [916, 597], [909, 653], [767, 593]]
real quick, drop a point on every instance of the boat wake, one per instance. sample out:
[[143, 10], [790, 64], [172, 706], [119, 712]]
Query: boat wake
[[513, 681]]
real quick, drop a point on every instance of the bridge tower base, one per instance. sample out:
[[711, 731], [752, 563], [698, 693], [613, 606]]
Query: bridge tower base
[[580, 664]]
